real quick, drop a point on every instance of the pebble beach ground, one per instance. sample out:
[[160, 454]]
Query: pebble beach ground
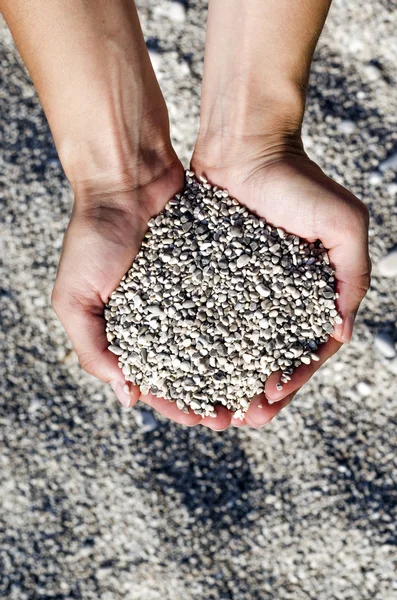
[[99, 502]]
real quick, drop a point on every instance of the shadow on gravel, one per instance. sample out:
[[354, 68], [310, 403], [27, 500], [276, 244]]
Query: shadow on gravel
[[211, 476], [386, 326], [330, 89], [360, 476], [330, 100], [25, 137]]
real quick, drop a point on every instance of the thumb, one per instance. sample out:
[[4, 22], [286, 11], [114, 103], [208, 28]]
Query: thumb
[[352, 265]]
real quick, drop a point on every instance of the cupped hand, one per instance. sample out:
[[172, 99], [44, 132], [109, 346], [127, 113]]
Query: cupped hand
[[104, 235], [290, 191]]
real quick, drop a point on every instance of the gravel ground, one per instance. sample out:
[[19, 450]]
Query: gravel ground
[[102, 502]]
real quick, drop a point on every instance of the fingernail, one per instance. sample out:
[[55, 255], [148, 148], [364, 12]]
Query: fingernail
[[122, 392], [273, 400], [348, 327]]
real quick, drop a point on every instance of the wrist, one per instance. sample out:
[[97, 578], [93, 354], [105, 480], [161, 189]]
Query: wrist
[[248, 126], [97, 87], [221, 151], [118, 156], [140, 183], [247, 110]]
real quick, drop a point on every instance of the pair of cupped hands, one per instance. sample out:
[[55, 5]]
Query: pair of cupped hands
[[275, 181]]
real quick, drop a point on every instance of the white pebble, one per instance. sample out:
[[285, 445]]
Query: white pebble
[[347, 127], [176, 12], [363, 388], [263, 290], [115, 349], [389, 163], [387, 266]]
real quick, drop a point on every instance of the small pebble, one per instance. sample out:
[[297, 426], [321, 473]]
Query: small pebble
[[387, 266], [364, 389], [347, 127], [389, 163], [176, 12], [243, 260], [263, 291], [384, 343], [305, 359], [115, 349], [145, 420]]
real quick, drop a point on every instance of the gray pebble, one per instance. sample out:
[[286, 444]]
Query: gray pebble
[[243, 260]]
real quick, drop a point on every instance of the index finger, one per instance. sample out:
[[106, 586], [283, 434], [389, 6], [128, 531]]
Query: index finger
[[349, 257]]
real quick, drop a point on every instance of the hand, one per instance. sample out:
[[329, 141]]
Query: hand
[[104, 235], [290, 191]]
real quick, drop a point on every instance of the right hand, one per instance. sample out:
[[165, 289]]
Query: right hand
[[104, 235]]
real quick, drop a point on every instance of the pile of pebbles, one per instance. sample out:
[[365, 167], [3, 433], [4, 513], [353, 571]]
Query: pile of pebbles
[[215, 301]]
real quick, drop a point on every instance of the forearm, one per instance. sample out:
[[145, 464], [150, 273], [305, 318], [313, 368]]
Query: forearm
[[257, 63], [90, 65]]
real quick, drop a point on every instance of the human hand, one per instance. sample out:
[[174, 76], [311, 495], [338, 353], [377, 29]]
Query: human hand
[[290, 191], [104, 235]]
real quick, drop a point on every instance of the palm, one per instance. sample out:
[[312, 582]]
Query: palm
[[102, 240], [296, 195]]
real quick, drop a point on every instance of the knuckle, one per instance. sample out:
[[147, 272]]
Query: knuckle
[[367, 281], [365, 284], [364, 216], [356, 224], [56, 298], [356, 219], [87, 364]]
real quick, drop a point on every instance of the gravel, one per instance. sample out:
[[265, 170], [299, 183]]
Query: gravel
[[92, 506], [205, 317]]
